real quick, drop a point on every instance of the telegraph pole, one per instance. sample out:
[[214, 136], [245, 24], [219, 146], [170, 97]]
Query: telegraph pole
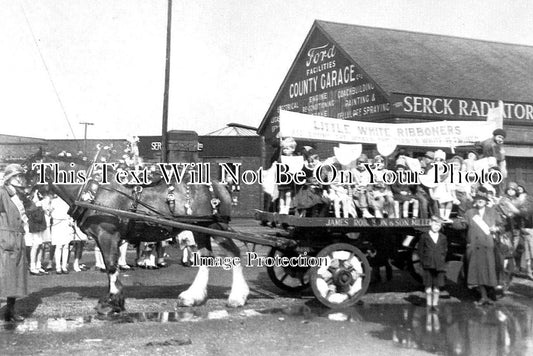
[[164, 142], [85, 136]]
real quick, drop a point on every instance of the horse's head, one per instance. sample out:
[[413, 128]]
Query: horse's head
[[44, 171]]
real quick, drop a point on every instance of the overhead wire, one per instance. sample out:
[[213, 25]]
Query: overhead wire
[[49, 74]]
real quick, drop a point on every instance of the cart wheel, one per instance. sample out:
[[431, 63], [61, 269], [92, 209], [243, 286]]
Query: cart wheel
[[291, 279], [344, 279]]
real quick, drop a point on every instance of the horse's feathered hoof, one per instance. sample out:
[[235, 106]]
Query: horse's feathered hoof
[[236, 300], [111, 304], [104, 310], [191, 298]]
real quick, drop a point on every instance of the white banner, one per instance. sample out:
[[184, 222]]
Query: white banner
[[435, 134]]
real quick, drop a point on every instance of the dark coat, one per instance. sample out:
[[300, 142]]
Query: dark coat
[[397, 188], [480, 248], [490, 148], [13, 265], [433, 255]]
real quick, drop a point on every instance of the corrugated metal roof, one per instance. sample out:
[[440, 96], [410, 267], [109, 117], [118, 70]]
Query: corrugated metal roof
[[234, 130], [411, 62]]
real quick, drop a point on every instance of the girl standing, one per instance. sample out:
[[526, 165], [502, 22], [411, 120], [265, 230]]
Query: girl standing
[[61, 234]]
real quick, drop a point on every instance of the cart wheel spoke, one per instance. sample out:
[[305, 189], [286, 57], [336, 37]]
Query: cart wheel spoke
[[284, 277]]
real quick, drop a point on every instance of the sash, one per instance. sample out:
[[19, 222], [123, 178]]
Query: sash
[[482, 224], [20, 207]]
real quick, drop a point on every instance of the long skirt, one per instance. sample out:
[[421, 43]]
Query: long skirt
[[13, 266], [481, 266]]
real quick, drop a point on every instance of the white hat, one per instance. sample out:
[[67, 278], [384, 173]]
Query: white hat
[[440, 154]]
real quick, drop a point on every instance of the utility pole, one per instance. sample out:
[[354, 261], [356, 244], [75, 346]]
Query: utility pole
[[164, 142], [85, 136]]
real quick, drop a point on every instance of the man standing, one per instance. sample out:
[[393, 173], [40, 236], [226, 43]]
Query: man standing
[[493, 147], [13, 264]]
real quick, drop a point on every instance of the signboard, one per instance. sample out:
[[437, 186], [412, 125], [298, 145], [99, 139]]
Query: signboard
[[439, 108], [324, 82], [150, 147], [433, 134]]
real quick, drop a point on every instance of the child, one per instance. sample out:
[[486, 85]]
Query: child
[[432, 249], [286, 191], [362, 179], [61, 234], [310, 197], [444, 191], [380, 194], [403, 196]]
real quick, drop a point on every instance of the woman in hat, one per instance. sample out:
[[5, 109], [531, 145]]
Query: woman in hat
[[482, 222], [13, 264]]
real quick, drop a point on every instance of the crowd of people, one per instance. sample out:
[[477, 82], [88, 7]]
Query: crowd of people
[[50, 229], [363, 198], [496, 216]]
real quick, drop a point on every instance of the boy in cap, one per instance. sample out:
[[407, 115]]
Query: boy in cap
[[432, 250]]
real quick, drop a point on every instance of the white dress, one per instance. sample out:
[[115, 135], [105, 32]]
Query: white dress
[[46, 204], [61, 229]]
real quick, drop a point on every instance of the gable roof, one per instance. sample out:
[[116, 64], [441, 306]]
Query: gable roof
[[419, 63]]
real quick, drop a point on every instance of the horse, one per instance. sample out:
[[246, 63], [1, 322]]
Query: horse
[[198, 204]]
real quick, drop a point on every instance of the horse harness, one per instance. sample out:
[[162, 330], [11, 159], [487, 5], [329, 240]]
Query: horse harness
[[88, 193]]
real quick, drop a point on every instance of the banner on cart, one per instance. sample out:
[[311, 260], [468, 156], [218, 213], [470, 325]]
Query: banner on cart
[[436, 134]]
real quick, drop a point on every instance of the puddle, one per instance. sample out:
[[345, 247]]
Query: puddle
[[454, 329]]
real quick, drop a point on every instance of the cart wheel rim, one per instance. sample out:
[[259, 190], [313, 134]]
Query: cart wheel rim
[[344, 277], [291, 279]]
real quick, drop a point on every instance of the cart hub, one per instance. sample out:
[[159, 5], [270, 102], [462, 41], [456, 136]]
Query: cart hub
[[343, 279]]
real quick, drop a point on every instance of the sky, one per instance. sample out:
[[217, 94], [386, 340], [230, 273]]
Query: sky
[[103, 61]]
